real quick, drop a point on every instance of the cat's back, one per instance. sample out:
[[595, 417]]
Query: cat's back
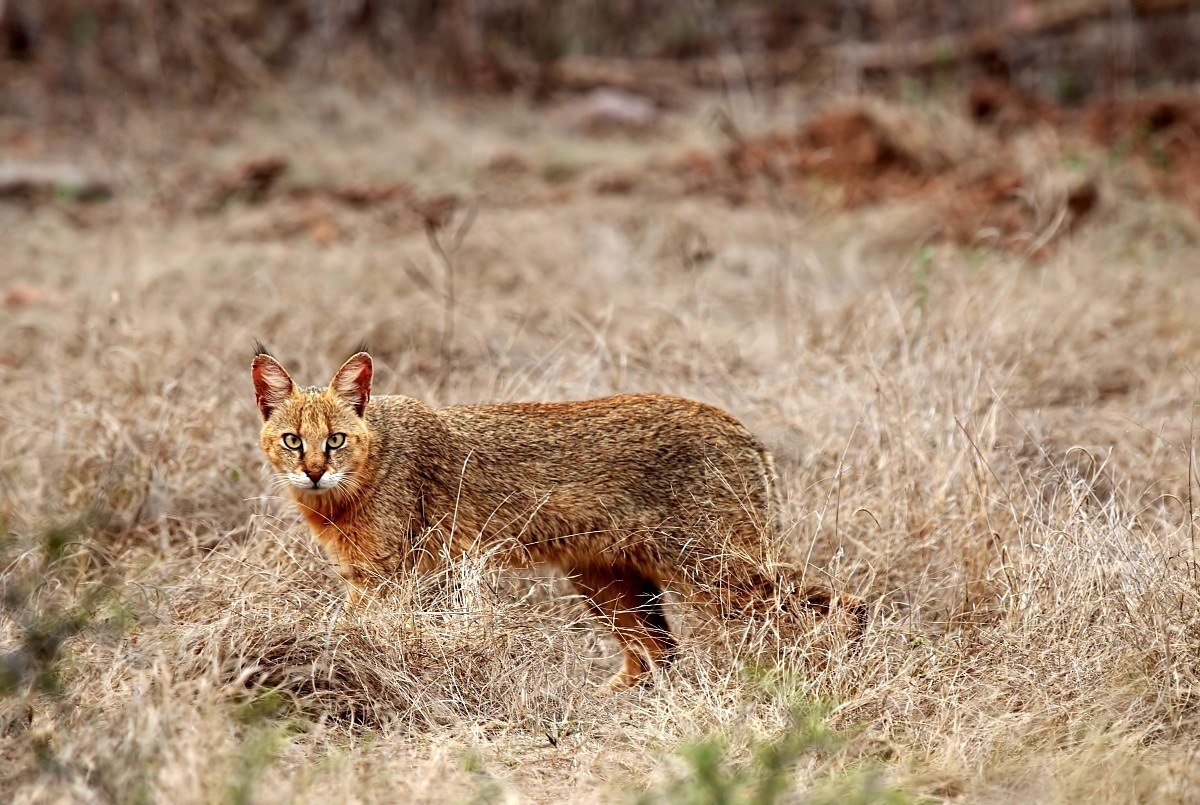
[[644, 429], [611, 423], [636, 458], [651, 456], [638, 442]]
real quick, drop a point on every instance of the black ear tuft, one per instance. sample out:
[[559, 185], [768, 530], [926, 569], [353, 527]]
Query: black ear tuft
[[259, 349], [362, 347]]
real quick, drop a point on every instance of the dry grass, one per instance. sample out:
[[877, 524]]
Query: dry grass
[[995, 451]]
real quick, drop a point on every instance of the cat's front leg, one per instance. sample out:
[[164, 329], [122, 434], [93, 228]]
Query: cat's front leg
[[356, 587]]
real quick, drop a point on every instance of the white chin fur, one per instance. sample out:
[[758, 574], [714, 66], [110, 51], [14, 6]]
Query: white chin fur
[[328, 481]]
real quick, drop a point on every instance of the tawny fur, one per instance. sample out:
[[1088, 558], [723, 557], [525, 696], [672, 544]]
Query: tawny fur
[[627, 496]]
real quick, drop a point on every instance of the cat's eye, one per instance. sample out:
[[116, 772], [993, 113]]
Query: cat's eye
[[335, 440], [291, 441]]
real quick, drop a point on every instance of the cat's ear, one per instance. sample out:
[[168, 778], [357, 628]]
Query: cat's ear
[[353, 382], [272, 384]]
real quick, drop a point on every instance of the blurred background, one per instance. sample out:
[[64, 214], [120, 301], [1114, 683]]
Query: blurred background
[[710, 77], [1064, 51]]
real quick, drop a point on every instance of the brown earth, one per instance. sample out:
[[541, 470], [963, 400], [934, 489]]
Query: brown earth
[[869, 158]]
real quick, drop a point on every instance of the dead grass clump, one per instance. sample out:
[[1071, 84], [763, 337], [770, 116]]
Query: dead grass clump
[[429, 652]]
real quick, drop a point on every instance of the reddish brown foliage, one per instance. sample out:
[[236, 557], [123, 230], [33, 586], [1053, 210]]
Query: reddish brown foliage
[[1163, 132], [869, 161]]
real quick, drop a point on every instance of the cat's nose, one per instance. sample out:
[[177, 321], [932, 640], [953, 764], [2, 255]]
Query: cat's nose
[[314, 475]]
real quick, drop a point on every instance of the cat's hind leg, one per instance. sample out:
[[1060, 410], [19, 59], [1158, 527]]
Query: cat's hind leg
[[629, 603]]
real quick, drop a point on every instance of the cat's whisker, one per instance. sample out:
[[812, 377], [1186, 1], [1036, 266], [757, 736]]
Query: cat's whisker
[[277, 482]]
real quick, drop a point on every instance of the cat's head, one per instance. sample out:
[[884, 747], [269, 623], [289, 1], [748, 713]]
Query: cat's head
[[315, 438]]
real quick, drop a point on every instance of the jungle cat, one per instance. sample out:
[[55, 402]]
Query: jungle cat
[[626, 496]]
